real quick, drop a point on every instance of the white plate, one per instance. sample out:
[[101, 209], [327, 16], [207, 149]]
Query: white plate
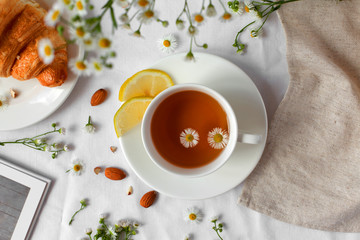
[[34, 102], [230, 81]]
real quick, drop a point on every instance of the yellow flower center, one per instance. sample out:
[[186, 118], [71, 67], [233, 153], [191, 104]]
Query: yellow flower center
[[77, 167], [47, 50], [55, 15], [166, 43], [218, 138], [104, 43], [80, 65], [143, 3], [189, 138], [88, 42], [199, 18], [80, 32], [192, 216], [149, 14], [67, 2], [226, 16], [247, 9], [97, 66], [79, 5]]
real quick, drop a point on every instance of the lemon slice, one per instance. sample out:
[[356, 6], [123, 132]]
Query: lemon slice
[[146, 83], [130, 114]]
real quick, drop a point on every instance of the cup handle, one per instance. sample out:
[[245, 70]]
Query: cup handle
[[249, 138]]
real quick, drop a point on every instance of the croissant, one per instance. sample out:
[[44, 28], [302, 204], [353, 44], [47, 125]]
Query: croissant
[[21, 28]]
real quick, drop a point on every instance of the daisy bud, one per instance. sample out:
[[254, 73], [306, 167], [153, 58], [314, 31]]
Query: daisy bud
[[180, 24], [66, 148], [88, 231], [62, 131]]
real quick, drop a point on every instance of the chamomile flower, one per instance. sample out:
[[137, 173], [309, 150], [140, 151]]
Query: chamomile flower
[[88, 231], [80, 66], [210, 10], [226, 17], [218, 138], [112, 232], [147, 16], [89, 43], [256, 32], [189, 138], [103, 44], [46, 50], [142, 3], [62, 131], [190, 56], [123, 3], [124, 18], [249, 5], [168, 43], [96, 66], [126, 26], [214, 218], [193, 215], [137, 33], [77, 167], [192, 30], [4, 102], [80, 33], [124, 223], [89, 127], [80, 7], [54, 14], [198, 18], [180, 24], [239, 9], [66, 3], [256, 14], [66, 148]]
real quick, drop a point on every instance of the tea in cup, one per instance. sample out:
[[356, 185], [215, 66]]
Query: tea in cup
[[191, 130]]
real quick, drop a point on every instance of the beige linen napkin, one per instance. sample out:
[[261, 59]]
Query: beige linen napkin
[[310, 171]]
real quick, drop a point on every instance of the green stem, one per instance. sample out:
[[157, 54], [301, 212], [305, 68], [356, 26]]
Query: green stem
[[223, 6], [202, 6], [72, 218]]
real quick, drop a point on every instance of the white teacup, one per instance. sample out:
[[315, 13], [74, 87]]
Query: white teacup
[[234, 135]]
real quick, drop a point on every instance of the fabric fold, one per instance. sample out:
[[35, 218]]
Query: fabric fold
[[309, 174]]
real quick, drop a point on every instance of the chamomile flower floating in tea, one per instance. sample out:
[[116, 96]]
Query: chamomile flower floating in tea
[[193, 215], [4, 102], [218, 138], [77, 167], [168, 43], [54, 15], [46, 50], [189, 138]]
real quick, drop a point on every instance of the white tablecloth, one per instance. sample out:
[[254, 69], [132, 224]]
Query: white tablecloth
[[264, 62]]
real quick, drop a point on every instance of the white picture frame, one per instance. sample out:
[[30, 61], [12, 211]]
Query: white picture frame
[[38, 188]]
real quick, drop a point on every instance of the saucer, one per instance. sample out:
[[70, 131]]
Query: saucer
[[243, 96]]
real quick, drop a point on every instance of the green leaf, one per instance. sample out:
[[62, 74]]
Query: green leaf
[[115, 25]]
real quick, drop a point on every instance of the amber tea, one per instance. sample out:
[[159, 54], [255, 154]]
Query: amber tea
[[189, 129]]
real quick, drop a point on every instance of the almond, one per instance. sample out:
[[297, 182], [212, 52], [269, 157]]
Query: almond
[[148, 199], [114, 173], [130, 190], [113, 149], [98, 97], [13, 93], [97, 170]]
